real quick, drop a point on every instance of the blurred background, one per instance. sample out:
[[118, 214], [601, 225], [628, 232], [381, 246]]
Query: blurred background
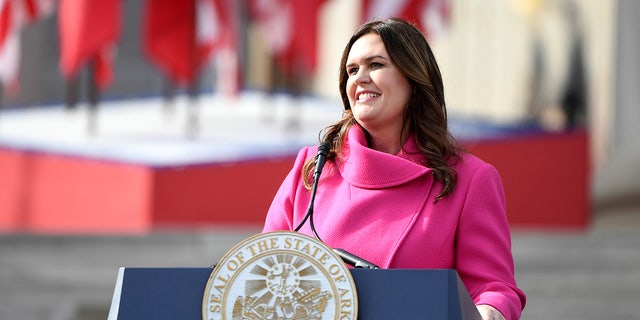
[[155, 133]]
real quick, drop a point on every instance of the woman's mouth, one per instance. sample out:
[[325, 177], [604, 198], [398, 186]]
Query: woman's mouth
[[365, 96]]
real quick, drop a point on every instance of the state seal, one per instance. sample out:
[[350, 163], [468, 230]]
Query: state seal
[[280, 275]]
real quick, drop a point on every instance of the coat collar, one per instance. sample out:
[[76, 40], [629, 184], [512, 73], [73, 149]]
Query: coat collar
[[367, 168]]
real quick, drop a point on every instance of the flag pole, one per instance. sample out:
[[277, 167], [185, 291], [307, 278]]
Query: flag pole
[[193, 111], [71, 93], [93, 97], [1, 107], [168, 95]]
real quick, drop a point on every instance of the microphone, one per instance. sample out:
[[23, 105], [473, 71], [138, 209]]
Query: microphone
[[348, 258], [321, 158], [323, 151]]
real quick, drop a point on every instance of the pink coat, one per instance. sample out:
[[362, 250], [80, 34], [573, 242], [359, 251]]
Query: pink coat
[[382, 208]]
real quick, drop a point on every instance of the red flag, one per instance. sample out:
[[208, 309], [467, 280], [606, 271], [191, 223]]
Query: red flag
[[430, 16], [290, 30], [274, 22], [14, 14], [217, 36], [170, 38], [8, 45], [305, 32], [88, 32], [436, 18], [214, 28]]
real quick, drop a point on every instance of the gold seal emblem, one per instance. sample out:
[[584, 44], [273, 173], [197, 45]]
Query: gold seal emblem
[[280, 276]]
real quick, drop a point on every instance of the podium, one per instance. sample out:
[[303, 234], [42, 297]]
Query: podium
[[177, 293]]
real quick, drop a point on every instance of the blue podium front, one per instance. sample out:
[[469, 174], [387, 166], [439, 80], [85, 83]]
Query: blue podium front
[[177, 293]]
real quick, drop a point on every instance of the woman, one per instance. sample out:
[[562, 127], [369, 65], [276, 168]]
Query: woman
[[396, 189]]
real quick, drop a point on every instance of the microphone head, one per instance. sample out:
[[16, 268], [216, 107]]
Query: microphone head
[[321, 157], [324, 148]]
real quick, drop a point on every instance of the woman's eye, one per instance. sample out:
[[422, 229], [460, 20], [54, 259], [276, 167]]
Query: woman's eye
[[352, 71], [375, 65]]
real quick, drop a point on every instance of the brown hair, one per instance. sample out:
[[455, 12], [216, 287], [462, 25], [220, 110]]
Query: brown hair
[[425, 115]]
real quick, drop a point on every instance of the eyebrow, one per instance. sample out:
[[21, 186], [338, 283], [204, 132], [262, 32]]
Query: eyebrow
[[368, 59]]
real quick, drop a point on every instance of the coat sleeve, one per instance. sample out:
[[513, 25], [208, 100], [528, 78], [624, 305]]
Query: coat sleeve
[[280, 215], [483, 252]]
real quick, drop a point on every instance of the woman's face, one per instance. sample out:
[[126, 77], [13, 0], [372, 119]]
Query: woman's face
[[378, 93]]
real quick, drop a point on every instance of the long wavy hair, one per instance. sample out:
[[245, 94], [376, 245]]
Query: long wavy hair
[[425, 115]]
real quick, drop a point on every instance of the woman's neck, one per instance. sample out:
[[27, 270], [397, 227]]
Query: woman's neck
[[385, 142]]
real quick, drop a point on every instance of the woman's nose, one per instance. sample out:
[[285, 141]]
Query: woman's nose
[[362, 76]]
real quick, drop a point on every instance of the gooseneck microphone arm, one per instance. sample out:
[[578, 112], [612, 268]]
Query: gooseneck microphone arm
[[348, 258], [321, 158]]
